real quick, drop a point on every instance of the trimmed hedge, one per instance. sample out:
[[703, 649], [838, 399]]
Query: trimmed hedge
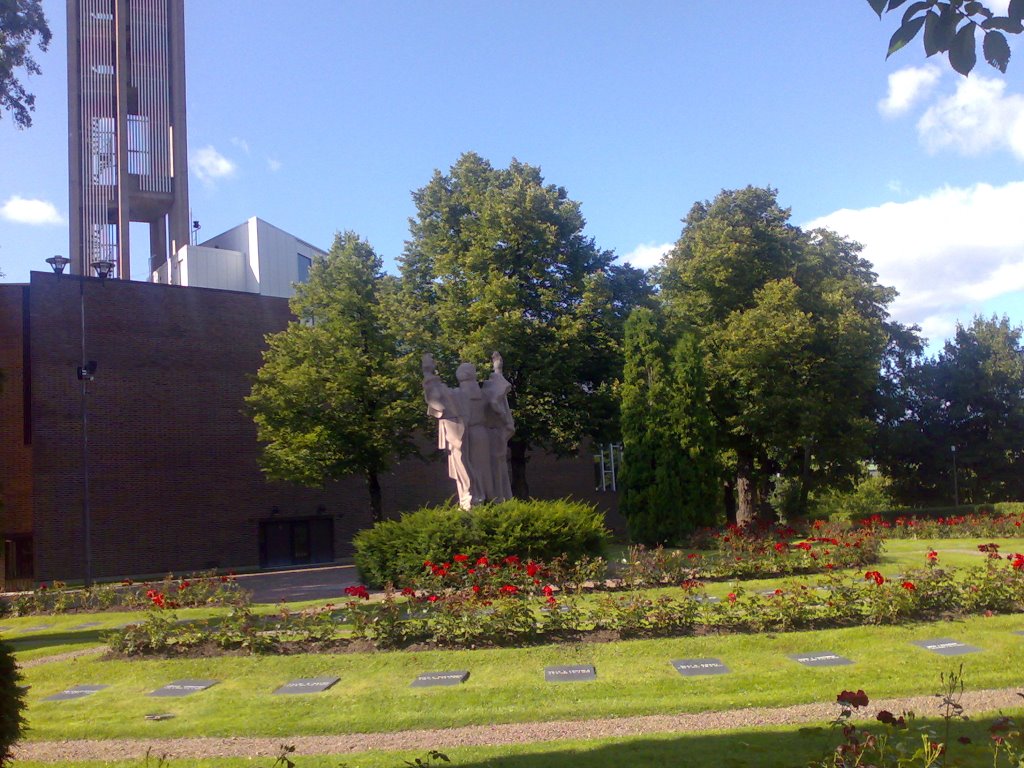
[[12, 704], [395, 550]]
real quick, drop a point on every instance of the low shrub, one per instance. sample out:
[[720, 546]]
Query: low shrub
[[201, 589], [948, 522], [12, 704], [393, 551], [468, 604], [869, 496]]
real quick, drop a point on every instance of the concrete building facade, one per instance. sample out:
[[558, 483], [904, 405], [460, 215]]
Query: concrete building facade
[[254, 257]]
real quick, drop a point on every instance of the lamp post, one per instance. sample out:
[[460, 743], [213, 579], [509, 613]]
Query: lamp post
[[86, 372], [956, 489]]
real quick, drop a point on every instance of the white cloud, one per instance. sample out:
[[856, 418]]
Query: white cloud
[[979, 117], [273, 165], [946, 252], [209, 165], [242, 144], [30, 211], [647, 255], [907, 87]]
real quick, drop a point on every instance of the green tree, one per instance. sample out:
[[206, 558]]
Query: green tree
[[791, 328], [497, 260], [21, 22], [951, 27], [668, 480], [332, 397], [969, 397]]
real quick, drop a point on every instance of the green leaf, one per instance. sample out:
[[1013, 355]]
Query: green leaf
[[996, 50], [904, 35], [962, 54], [974, 8], [940, 29], [893, 4], [1016, 11], [878, 6], [1004, 23], [917, 7]]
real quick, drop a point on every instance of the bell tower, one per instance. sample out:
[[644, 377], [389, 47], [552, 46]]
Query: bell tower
[[128, 157]]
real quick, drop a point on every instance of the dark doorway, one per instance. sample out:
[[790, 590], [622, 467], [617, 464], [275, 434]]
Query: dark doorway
[[18, 561], [303, 541]]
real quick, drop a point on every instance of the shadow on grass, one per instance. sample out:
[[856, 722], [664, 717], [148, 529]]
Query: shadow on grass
[[793, 746], [31, 642]]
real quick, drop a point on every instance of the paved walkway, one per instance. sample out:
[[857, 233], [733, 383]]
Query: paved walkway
[[326, 583]]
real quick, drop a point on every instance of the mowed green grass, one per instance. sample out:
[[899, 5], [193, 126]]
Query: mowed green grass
[[777, 747], [507, 685]]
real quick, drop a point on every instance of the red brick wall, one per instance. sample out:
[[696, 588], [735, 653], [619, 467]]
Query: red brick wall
[[173, 469]]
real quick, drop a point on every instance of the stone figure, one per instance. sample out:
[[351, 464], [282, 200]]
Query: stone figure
[[474, 427]]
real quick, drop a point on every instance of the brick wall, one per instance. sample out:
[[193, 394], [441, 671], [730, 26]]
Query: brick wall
[[173, 459], [15, 453]]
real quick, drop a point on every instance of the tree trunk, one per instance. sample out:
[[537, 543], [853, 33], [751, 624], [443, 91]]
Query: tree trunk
[[805, 485], [746, 494], [517, 468], [730, 502], [373, 486]]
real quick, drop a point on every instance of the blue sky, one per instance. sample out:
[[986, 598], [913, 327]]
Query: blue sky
[[324, 115]]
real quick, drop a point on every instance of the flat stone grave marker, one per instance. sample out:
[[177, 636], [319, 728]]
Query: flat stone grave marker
[[307, 685], [1016, 631], [38, 628], [86, 625], [820, 659], [694, 667], [158, 716], [944, 646], [428, 679], [707, 599], [183, 687], [75, 692], [5, 629], [570, 673]]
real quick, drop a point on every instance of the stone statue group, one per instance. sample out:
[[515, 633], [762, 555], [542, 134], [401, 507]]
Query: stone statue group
[[474, 427]]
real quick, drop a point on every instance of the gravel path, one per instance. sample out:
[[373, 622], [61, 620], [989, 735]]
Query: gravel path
[[974, 702], [62, 656]]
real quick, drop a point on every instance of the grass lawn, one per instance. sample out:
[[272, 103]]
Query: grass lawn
[[507, 685], [779, 747]]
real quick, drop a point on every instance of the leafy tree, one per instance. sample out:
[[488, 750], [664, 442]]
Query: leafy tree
[[497, 260], [669, 478], [12, 704], [21, 21], [791, 329], [969, 397], [951, 27], [332, 397]]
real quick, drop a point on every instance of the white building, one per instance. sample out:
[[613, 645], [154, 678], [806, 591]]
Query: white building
[[254, 257]]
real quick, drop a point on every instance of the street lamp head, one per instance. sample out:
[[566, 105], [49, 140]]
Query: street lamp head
[[103, 268], [57, 263]]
